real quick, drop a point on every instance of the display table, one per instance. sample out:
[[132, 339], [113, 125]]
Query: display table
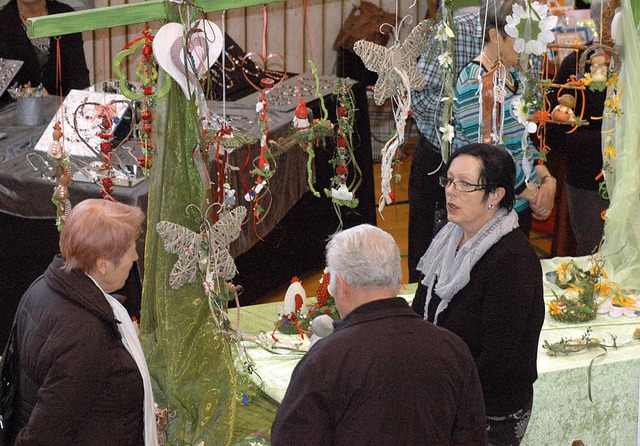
[[289, 242], [562, 411]]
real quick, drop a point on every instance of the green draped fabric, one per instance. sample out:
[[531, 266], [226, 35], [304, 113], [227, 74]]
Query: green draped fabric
[[622, 227], [191, 363]]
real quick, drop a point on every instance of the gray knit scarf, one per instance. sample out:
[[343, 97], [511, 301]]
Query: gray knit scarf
[[453, 269]]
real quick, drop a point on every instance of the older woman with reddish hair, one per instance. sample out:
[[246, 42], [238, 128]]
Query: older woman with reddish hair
[[83, 376]]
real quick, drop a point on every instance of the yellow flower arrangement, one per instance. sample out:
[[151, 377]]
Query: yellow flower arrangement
[[588, 292], [578, 303]]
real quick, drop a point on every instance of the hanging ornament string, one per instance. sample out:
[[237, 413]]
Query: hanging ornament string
[[342, 192], [401, 113], [306, 29], [105, 115], [58, 155], [147, 73], [265, 166], [398, 74], [224, 72]]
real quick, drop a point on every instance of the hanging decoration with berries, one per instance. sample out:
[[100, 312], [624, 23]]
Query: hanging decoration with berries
[[147, 73], [265, 165], [345, 183], [59, 156], [104, 119], [316, 133]]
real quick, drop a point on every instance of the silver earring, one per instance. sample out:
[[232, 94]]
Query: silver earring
[[490, 207]]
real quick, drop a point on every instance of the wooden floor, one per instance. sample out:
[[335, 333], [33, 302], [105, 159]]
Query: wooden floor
[[394, 220]]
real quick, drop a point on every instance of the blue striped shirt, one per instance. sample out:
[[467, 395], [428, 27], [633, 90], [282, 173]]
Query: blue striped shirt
[[467, 120]]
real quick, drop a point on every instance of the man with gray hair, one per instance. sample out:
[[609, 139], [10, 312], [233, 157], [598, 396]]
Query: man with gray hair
[[384, 376]]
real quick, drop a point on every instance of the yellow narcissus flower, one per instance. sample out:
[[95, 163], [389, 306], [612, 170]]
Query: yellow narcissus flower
[[603, 288], [610, 151], [553, 308], [562, 271], [622, 300]]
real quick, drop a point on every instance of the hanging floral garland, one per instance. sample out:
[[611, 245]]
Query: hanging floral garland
[[265, 166], [445, 43], [60, 159], [147, 73], [531, 27], [343, 192]]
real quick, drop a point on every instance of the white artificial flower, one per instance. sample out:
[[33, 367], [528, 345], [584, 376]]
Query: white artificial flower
[[342, 193], [520, 110], [259, 106], [445, 60], [444, 33], [531, 28], [448, 132]]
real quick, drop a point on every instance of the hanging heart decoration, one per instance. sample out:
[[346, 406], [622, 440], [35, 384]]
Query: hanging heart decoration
[[85, 124], [204, 44], [261, 61]]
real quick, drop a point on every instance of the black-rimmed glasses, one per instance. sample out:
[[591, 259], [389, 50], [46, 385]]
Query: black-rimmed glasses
[[461, 185]]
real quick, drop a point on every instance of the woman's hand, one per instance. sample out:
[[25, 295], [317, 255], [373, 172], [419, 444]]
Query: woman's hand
[[543, 199]]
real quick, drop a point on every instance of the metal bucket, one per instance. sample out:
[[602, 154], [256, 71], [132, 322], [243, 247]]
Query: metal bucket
[[30, 111]]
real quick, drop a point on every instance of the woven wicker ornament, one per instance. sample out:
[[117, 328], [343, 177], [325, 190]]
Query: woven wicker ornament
[[207, 250], [403, 56]]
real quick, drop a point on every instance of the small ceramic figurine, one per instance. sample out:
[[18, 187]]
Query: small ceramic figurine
[[301, 118], [229, 195], [599, 67], [295, 299], [56, 150], [323, 289], [563, 112]]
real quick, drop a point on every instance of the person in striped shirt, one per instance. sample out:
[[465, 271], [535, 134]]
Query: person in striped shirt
[[535, 197]]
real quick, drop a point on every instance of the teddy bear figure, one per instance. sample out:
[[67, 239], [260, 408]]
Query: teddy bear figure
[[599, 67], [563, 112]]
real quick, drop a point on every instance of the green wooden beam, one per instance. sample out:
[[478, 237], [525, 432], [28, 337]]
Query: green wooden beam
[[118, 15]]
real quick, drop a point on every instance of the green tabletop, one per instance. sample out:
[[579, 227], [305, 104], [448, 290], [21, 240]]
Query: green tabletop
[[562, 411]]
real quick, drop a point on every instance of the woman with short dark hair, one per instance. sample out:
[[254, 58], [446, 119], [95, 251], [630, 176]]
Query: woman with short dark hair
[[482, 279]]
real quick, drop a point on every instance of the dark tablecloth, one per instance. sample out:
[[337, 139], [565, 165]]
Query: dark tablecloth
[[294, 233]]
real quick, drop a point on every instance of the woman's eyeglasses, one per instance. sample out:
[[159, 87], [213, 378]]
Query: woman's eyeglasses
[[461, 185]]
